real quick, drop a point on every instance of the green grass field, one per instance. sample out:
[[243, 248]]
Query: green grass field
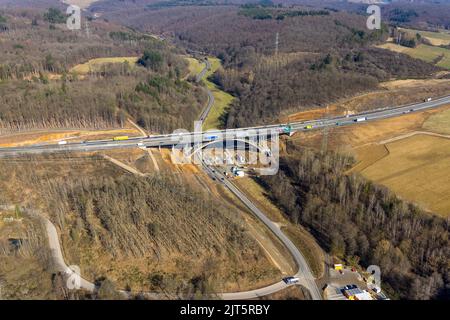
[[221, 98], [436, 38], [195, 67], [423, 52]]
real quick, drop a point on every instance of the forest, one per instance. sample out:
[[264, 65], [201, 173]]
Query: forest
[[40, 91], [363, 223], [308, 67], [159, 233], [236, 39], [273, 64], [277, 89]]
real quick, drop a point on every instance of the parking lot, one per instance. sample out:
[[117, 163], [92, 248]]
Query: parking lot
[[338, 281]]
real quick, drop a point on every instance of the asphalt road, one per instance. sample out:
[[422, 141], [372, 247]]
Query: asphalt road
[[187, 137], [304, 273], [54, 245], [210, 102]]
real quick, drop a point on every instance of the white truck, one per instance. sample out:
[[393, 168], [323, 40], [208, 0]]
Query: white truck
[[62, 142], [361, 119]]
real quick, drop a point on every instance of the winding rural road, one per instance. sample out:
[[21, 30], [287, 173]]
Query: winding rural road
[[211, 100], [54, 245], [304, 272]]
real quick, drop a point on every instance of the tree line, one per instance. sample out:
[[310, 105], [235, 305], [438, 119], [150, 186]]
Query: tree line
[[279, 87], [364, 223]]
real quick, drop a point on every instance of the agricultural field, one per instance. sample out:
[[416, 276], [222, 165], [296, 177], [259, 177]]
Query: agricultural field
[[410, 155], [436, 55], [417, 169]]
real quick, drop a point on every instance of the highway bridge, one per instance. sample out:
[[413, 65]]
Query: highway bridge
[[186, 137]]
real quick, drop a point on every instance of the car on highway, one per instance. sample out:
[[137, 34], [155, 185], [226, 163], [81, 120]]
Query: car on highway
[[350, 286], [211, 137], [291, 280]]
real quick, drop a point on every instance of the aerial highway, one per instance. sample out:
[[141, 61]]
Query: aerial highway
[[303, 273], [186, 137]]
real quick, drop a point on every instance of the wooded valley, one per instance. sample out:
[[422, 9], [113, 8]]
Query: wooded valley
[[363, 223]]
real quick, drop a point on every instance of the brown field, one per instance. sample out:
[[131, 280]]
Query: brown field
[[352, 137], [368, 155], [417, 169], [439, 122], [408, 154], [313, 114], [308, 247]]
